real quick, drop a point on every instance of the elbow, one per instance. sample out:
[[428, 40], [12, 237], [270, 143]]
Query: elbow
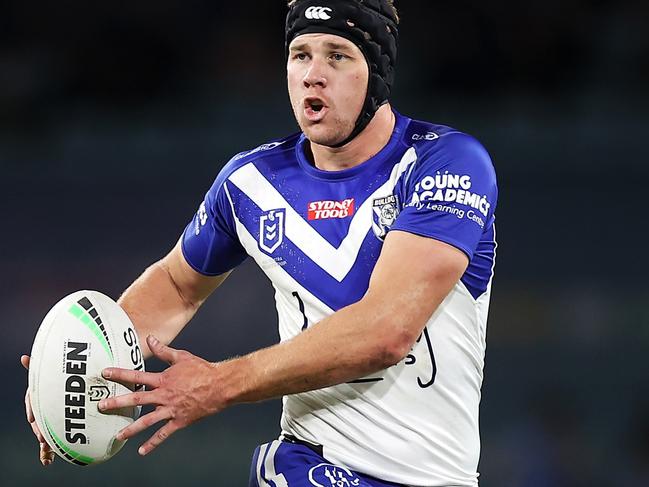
[[395, 346]]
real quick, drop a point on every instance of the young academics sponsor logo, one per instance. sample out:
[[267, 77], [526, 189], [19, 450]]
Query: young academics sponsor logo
[[271, 230], [384, 213], [324, 210], [439, 192]]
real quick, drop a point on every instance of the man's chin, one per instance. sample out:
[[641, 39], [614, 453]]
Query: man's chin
[[322, 136]]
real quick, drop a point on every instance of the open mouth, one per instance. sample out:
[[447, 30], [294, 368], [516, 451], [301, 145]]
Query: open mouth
[[315, 108]]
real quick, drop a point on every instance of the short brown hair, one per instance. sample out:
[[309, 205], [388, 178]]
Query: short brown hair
[[291, 3]]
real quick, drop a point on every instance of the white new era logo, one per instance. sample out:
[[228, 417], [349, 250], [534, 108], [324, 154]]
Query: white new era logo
[[317, 13]]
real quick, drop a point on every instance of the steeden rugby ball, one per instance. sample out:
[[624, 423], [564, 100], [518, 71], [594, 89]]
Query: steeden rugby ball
[[81, 335]]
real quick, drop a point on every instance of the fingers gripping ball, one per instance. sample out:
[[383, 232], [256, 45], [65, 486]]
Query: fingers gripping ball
[[82, 334]]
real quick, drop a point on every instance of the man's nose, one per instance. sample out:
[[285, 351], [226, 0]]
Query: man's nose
[[315, 75]]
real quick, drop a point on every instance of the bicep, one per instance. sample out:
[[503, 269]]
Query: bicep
[[191, 285], [412, 277]]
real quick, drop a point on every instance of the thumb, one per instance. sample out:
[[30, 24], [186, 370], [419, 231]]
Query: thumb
[[161, 351]]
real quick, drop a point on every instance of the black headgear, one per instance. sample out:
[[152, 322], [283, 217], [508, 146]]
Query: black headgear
[[371, 25]]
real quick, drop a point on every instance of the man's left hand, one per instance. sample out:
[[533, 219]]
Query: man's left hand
[[182, 394]]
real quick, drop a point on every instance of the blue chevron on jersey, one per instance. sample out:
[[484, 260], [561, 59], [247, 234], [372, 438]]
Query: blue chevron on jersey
[[337, 276]]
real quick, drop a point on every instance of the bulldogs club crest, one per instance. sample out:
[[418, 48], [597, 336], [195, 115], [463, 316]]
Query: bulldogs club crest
[[271, 230], [384, 213], [327, 475]]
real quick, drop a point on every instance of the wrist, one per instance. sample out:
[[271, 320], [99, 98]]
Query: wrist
[[230, 381]]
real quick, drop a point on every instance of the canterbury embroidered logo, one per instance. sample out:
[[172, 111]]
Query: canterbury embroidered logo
[[317, 13]]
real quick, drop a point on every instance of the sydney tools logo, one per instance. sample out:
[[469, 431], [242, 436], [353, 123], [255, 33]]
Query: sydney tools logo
[[322, 210]]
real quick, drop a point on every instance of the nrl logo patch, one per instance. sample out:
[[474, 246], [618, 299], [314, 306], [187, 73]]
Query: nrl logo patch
[[384, 213], [271, 230]]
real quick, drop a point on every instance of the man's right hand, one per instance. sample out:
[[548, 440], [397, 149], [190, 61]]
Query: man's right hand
[[46, 453]]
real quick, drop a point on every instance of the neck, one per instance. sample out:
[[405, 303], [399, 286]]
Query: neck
[[365, 146]]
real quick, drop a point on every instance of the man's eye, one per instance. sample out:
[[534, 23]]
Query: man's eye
[[300, 56], [338, 57]]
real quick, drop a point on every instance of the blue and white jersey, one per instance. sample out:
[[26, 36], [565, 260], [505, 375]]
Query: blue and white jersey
[[317, 235]]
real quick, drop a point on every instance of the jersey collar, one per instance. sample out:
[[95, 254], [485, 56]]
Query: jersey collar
[[373, 162]]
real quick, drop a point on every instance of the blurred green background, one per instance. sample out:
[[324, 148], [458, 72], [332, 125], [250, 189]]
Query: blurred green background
[[115, 118]]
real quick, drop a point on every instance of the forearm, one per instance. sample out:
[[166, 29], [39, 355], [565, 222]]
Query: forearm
[[410, 281], [155, 306], [166, 296], [352, 343]]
